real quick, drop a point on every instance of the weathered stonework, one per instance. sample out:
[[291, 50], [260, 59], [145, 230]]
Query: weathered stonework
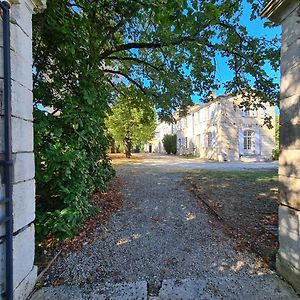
[[22, 146], [287, 13]]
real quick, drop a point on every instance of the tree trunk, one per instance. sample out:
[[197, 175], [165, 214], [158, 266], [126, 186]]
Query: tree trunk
[[113, 146], [127, 147]]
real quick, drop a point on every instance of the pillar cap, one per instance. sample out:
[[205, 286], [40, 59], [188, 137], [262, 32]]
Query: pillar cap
[[36, 5], [275, 10], [40, 5]]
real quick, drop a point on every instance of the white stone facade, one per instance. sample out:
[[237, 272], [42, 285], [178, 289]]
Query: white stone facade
[[221, 131], [156, 144], [287, 13], [22, 146]]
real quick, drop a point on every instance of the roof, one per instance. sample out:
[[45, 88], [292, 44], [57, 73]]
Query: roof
[[197, 107]]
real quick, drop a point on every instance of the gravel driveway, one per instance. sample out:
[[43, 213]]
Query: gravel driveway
[[161, 245]]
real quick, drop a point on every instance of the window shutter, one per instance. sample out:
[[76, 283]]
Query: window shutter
[[241, 141], [257, 141]]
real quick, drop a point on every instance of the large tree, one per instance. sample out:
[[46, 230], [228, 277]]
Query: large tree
[[88, 52], [165, 48], [131, 124]]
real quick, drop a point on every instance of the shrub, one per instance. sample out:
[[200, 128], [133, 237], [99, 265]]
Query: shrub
[[275, 154], [70, 165], [169, 142]]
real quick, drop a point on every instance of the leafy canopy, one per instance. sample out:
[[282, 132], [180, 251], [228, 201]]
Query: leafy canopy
[[132, 123], [167, 48]]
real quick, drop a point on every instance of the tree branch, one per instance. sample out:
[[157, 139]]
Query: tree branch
[[115, 87], [74, 5], [127, 77], [147, 45], [156, 45], [129, 58], [112, 31]]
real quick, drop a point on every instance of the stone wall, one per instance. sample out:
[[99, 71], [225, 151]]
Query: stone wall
[[287, 13], [288, 262], [22, 146]]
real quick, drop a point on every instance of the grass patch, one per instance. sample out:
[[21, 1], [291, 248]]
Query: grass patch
[[246, 201]]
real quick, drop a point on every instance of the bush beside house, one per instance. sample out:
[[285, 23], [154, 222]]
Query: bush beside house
[[169, 142]]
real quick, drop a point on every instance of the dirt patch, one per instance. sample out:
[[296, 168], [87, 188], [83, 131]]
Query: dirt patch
[[246, 202], [120, 157], [106, 203]]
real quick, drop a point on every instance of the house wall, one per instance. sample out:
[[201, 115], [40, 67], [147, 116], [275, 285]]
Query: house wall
[[24, 271], [234, 122], [226, 123], [156, 143], [207, 121]]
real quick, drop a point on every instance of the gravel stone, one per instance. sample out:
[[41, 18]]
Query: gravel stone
[[161, 236]]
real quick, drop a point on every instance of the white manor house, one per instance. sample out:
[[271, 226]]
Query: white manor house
[[219, 130]]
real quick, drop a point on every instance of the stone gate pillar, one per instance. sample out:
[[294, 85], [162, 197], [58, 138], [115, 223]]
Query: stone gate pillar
[[24, 271], [287, 13]]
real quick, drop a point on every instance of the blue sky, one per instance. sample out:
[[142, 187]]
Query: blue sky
[[255, 28]]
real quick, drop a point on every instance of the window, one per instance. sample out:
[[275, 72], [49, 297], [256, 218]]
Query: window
[[186, 142], [179, 143], [249, 142], [178, 125], [200, 113], [210, 111], [246, 113], [209, 140], [263, 112]]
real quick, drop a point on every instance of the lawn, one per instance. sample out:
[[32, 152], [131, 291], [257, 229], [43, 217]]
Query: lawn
[[246, 202]]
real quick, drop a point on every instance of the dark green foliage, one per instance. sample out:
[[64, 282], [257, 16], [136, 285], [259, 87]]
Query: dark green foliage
[[137, 148], [170, 143], [71, 102]]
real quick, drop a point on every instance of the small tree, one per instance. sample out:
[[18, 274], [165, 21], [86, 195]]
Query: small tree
[[130, 124], [169, 142]]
